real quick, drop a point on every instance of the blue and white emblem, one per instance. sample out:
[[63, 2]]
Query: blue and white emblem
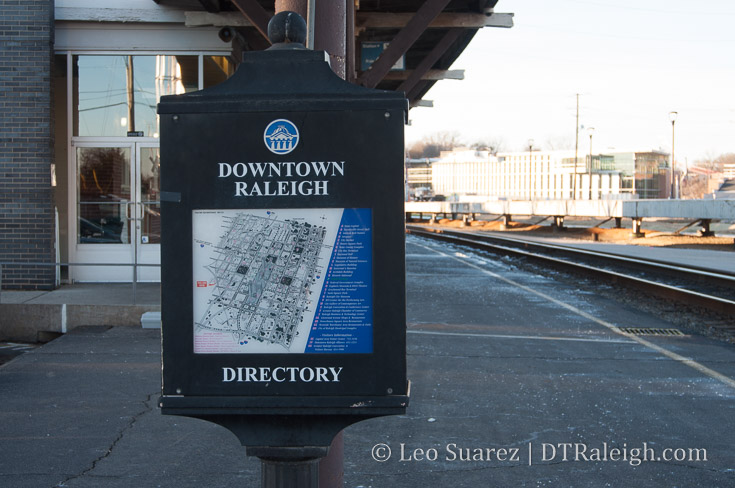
[[281, 136]]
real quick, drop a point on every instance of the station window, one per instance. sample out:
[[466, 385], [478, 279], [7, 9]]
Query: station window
[[216, 69], [117, 94]]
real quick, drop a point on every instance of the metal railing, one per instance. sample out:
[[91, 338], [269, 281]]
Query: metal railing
[[135, 267]]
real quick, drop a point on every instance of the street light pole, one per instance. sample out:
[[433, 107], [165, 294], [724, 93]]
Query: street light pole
[[576, 150], [591, 131], [530, 172], [672, 118]]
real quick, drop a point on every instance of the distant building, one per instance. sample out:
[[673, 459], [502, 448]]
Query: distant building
[[644, 173], [551, 174], [418, 179], [700, 182], [726, 189]]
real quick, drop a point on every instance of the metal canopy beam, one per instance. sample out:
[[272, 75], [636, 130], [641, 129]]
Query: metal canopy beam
[[256, 14], [402, 42], [382, 20], [414, 94], [425, 65], [366, 20], [432, 74]]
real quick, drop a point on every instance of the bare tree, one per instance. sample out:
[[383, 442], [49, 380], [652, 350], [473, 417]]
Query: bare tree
[[715, 163], [492, 144], [694, 186], [704, 174], [432, 145]]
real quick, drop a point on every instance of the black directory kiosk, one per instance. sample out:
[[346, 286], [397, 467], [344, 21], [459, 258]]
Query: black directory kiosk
[[282, 249]]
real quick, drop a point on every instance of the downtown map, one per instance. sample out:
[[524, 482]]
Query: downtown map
[[261, 279]]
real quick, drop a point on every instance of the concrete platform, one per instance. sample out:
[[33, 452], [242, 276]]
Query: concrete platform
[[716, 261], [29, 315], [723, 209], [503, 377]]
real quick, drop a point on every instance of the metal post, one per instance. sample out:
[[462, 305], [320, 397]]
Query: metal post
[[135, 252], [288, 467], [637, 222], [310, 21], [705, 230], [530, 173], [280, 473]]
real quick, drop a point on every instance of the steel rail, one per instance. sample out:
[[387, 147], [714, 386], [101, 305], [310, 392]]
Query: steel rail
[[726, 278], [682, 295]]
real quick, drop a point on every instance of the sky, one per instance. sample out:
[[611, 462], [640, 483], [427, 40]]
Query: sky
[[631, 62]]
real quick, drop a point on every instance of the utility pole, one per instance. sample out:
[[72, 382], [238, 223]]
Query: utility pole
[[576, 149], [131, 93], [591, 131]]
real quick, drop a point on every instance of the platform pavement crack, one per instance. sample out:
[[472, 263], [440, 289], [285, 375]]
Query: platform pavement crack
[[691, 466], [147, 404]]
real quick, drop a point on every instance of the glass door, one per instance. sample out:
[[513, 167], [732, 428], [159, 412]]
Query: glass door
[[148, 211], [118, 212]]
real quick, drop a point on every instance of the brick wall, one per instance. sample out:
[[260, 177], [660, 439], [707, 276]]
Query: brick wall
[[26, 128]]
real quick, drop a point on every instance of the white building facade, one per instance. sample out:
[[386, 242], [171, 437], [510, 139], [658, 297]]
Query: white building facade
[[527, 175]]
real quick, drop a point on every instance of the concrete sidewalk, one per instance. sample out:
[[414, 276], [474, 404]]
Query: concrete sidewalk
[[144, 294], [81, 412], [499, 370], [492, 366], [28, 315]]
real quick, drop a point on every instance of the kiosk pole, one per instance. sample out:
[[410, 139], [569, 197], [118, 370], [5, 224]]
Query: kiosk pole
[[280, 473]]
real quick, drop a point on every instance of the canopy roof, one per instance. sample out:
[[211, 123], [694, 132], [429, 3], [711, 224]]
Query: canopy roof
[[427, 36]]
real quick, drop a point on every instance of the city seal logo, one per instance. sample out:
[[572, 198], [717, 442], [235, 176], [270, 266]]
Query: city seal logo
[[281, 136]]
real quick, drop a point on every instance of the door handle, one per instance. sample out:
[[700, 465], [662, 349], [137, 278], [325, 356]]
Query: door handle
[[136, 214]]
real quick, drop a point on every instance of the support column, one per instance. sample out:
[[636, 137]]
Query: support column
[[331, 467], [704, 231], [298, 6], [506, 221], [559, 223], [637, 228], [276, 473], [330, 29], [618, 222], [282, 467]]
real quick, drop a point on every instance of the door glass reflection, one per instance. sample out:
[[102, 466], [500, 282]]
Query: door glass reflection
[[150, 174], [104, 194], [114, 95]]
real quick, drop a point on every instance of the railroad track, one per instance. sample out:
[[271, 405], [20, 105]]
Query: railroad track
[[687, 285]]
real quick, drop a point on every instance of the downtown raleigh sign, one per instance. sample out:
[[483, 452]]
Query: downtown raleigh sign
[[283, 290]]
